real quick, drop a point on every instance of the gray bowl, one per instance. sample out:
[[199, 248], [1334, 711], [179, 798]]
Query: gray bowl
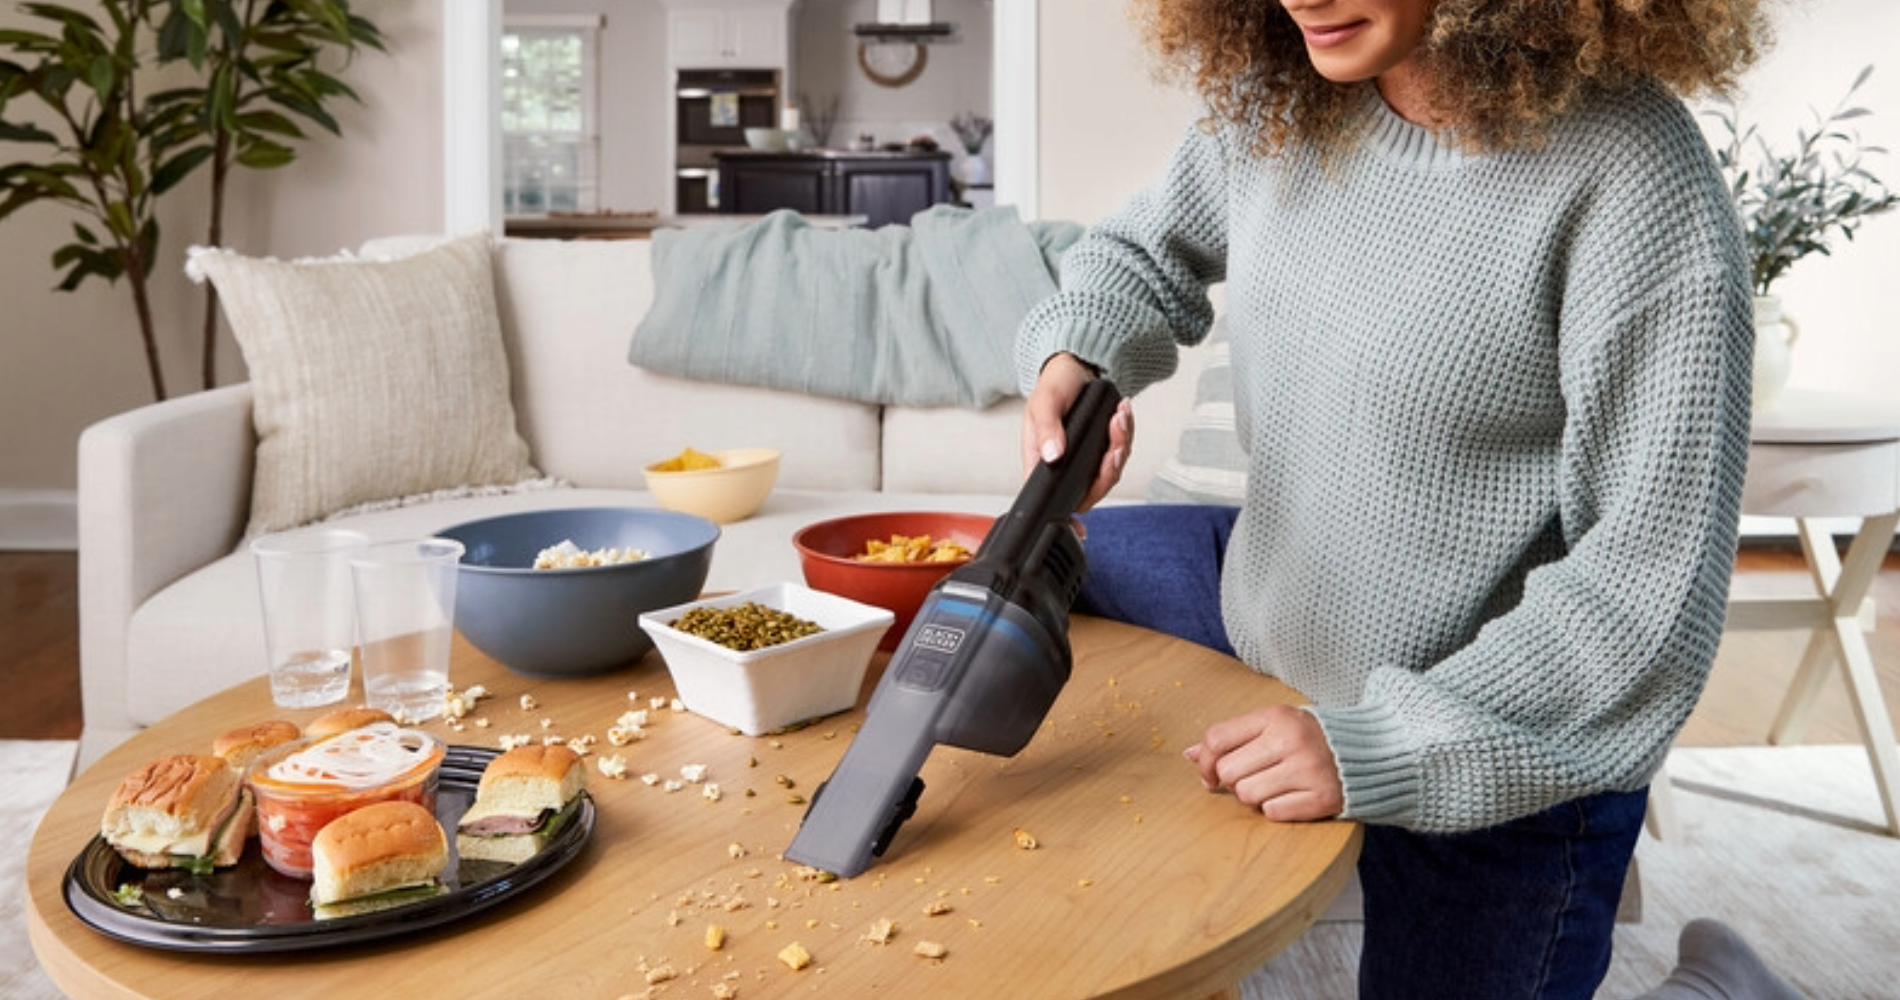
[[574, 622]]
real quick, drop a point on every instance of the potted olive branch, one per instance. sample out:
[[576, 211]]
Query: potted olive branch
[[1792, 204], [973, 132]]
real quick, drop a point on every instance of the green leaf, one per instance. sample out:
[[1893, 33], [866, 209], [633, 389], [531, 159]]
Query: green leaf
[[176, 169], [102, 76], [262, 154], [269, 122], [119, 220], [26, 132]]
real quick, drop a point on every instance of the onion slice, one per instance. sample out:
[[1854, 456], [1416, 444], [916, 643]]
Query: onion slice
[[360, 758]]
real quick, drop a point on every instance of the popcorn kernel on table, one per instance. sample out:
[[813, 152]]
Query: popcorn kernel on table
[[794, 956]]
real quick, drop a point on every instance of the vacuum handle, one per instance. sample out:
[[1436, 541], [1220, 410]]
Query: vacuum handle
[[1085, 441], [1049, 496]]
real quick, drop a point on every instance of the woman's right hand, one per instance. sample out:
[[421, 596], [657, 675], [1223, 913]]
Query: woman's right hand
[[1057, 388]]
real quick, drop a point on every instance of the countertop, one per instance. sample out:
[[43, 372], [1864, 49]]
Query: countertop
[[831, 154], [569, 225]]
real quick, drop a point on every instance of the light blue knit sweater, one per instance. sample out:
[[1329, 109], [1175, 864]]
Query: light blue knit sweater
[[1496, 411]]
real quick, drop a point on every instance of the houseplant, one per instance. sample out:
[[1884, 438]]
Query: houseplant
[[261, 69], [109, 153], [100, 145], [1793, 203], [973, 132]]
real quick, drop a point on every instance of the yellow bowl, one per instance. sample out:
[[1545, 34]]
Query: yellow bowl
[[731, 492]]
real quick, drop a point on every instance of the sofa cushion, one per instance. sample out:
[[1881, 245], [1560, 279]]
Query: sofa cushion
[[204, 633], [1208, 464], [372, 379], [567, 311]]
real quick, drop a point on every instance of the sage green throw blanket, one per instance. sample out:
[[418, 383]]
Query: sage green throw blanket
[[918, 315]]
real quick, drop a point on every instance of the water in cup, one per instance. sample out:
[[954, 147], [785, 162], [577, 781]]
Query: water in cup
[[311, 677], [305, 592], [405, 607]]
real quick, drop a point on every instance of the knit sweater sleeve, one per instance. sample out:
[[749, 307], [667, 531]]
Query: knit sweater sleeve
[[1581, 686], [1136, 284]]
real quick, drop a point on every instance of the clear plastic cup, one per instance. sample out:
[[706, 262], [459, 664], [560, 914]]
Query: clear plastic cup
[[303, 582], [405, 610]]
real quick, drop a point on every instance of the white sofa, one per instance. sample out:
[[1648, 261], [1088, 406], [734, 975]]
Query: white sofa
[[169, 612]]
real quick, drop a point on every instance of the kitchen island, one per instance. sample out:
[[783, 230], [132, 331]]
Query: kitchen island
[[638, 225], [883, 186]]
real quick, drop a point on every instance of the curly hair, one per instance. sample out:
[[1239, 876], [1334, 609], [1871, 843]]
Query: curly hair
[[1501, 69]]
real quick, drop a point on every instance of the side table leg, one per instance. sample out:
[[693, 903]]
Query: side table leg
[[1791, 720], [1870, 710], [1857, 664]]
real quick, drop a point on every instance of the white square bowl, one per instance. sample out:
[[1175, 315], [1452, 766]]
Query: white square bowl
[[757, 691]]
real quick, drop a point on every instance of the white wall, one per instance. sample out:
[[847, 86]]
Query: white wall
[[956, 75], [1847, 303], [68, 359], [1105, 129]]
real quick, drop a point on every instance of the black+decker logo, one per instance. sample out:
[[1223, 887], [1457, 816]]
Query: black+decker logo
[[940, 638]]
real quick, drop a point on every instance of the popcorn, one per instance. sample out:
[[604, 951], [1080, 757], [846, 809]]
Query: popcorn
[[567, 555]]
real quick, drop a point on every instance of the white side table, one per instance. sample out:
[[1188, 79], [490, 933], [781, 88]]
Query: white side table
[[1820, 456]]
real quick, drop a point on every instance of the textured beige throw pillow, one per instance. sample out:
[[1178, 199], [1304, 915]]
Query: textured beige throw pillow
[[371, 379]]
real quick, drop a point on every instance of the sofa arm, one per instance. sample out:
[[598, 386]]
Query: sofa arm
[[163, 490]]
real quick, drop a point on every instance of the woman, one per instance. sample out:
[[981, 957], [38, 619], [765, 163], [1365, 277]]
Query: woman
[[1491, 337]]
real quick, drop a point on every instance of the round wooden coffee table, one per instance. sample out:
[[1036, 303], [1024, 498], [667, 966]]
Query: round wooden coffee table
[[1142, 883]]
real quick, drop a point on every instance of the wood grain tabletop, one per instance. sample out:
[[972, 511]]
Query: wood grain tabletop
[[1141, 884]]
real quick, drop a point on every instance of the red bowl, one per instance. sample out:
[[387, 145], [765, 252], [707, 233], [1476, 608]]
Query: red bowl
[[827, 553]]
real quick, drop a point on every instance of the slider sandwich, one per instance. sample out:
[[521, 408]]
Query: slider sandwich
[[525, 796], [377, 857], [343, 720], [242, 745], [187, 811]]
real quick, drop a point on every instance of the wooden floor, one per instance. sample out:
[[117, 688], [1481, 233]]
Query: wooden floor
[[39, 620]]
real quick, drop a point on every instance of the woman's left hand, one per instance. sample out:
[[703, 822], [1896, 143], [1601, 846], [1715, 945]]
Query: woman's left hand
[[1274, 759]]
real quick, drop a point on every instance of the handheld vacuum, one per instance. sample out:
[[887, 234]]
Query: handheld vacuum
[[981, 663]]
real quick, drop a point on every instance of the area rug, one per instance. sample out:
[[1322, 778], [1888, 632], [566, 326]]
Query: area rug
[[1785, 844], [32, 772]]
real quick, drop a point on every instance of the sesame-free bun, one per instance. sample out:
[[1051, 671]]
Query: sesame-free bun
[[242, 745], [519, 789], [530, 778], [169, 811], [343, 720], [376, 848]]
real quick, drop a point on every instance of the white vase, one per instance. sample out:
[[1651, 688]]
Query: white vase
[[1774, 349], [973, 169]]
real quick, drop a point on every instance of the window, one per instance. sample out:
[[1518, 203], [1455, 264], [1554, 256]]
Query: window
[[549, 119]]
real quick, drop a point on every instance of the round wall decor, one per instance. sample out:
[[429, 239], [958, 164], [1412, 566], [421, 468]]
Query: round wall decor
[[892, 64]]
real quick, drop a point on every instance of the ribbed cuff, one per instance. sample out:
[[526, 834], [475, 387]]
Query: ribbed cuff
[[1378, 764]]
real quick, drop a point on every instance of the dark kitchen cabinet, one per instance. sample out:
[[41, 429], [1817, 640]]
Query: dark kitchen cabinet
[[885, 188]]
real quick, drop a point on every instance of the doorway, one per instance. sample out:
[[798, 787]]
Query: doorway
[[471, 35]]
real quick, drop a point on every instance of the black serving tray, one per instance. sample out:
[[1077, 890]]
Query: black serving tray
[[251, 907]]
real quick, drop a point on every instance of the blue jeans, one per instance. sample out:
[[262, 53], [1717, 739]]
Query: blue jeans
[[1524, 909], [1158, 566]]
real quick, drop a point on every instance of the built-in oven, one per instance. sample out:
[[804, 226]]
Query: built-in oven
[[713, 109]]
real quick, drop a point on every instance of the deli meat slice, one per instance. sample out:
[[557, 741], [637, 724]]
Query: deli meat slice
[[504, 826]]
